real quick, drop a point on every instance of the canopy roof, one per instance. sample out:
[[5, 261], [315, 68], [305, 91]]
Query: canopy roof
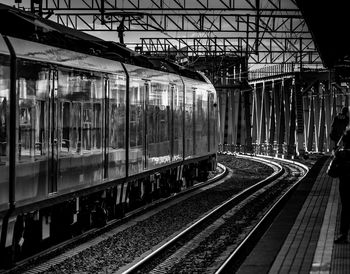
[[328, 22]]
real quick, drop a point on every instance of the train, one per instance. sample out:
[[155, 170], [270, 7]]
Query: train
[[90, 130]]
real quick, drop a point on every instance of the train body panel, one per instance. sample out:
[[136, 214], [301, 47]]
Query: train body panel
[[156, 101], [49, 54]]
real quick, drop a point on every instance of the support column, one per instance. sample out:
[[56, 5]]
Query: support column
[[229, 118], [272, 131], [306, 108], [281, 125], [239, 121], [254, 131], [226, 100], [328, 115], [235, 114], [322, 125], [247, 116], [267, 107], [263, 115], [317, 114], [287, 105], [292, 124], [299, 117], [311, 126]]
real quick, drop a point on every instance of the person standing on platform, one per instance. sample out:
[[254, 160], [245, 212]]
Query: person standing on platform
[[339, 124], [343, 157]]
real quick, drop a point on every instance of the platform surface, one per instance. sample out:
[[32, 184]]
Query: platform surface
[[301, 239]]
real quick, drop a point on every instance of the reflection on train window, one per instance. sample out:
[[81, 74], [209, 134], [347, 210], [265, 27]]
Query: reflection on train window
[[136, 116], [158, 124], [178, 122], [136, 126], [33, 89], [189, 122], [4, 127], [212, 119], [80, 96], [117, 100], [158, 113], [79, 127], [201, 128], [117, 124], [33, 108]]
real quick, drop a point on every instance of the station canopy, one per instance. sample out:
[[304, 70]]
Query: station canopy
[[328, 22]]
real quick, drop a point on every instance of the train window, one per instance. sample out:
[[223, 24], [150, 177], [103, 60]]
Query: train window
[[117, 125], [136, 116], [201, 127], [178, 122], [4, 128], [189, 122], [212, 124], [158, 123], [136, 125], [33, 87], [79, 127]]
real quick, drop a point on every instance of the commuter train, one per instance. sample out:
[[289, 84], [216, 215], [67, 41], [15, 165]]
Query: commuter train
[[89, 131]]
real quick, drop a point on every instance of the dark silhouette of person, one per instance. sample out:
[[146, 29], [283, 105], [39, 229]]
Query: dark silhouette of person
[[343, 157], [339, 124]]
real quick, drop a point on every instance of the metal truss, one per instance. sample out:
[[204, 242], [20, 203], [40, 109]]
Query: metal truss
[[172, 5], [185, 22], [269, 51], [268, 31]]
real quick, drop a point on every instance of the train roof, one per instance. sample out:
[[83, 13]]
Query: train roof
[[31, 27]]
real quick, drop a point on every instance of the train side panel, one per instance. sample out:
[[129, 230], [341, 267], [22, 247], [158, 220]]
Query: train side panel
[[62, 141], [156, 107], [199, 118]]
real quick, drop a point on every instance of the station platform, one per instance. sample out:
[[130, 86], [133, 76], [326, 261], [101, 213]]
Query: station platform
[[301, 239]]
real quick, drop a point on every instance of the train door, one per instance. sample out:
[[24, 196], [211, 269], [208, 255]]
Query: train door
[[146, 139], [106, 128], [171, 134], [33, 155]]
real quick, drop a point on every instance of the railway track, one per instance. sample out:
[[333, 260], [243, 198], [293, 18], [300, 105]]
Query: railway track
[[147, 240], [45, 259], [206, 246]]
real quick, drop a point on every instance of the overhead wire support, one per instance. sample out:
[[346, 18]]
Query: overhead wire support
[[259, 26]]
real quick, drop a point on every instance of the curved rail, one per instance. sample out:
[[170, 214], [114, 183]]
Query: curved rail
[[246, 245], [278, 171]]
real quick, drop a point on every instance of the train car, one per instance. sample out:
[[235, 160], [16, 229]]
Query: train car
[[89, 131]]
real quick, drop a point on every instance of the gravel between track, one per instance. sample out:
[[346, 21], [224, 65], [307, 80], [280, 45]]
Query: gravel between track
[[123, 248]]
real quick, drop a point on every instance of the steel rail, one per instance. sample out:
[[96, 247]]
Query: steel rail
[[223, 207], [261, 226]]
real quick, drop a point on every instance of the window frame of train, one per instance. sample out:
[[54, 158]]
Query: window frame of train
[[34, 150], [82, 158], [136, 126], [158, 116], [115, 126], [60, 125], [145, 104]]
